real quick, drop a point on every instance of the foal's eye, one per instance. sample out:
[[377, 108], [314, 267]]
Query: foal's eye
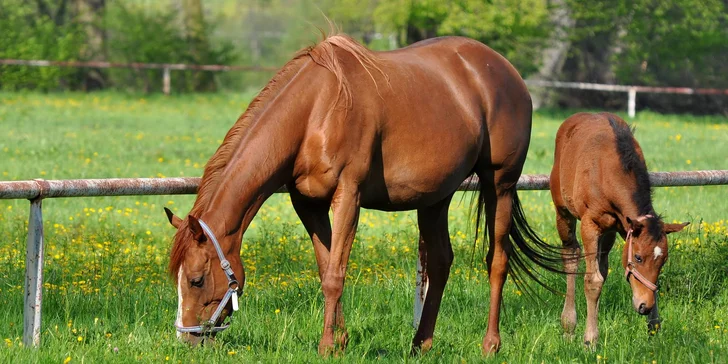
[[638, 258], [197, 282]]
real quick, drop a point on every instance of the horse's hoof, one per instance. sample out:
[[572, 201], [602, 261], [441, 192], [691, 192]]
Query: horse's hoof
[[421, 346], [491, 345], [325, 350], [568, 336], [336, 346]]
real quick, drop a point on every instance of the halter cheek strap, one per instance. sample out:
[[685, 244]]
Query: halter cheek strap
[[231, 294], [631, 268]]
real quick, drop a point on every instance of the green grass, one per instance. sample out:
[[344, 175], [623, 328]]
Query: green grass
[[108, 297]]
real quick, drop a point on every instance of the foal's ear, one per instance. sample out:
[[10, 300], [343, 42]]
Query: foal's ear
[[636, 225], [174, 220], [196, 229], [673, 228]]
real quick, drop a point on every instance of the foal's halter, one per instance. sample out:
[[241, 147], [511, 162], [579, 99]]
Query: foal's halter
[[232, 292], [632, 269]]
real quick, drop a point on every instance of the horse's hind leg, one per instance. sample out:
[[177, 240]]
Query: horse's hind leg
[[498, 194], [434, 234], [566, 226]]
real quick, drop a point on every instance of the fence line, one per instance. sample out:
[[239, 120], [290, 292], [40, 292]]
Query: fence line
[[37, 190], [631, 90]]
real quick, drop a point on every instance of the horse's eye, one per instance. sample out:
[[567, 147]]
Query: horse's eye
[[638, 258], [197, 282]]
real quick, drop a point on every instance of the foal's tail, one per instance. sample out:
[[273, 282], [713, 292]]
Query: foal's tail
[[527, 248]]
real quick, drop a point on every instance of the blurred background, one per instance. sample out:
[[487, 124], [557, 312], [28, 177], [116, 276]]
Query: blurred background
[[681, 43]]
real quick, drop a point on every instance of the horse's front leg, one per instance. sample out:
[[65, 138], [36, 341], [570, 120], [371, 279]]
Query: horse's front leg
[[345, 206], [593, 279]]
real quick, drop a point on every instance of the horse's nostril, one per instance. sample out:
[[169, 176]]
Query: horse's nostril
[[644, 310]]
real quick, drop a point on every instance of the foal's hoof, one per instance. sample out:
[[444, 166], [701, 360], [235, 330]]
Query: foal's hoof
[[653, 327], [491, 345], [590, 345], [568, 336]]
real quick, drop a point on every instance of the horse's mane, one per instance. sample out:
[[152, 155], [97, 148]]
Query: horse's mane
[[324, 54], [633, 162]]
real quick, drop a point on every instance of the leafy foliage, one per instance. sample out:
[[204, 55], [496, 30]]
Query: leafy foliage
[[29, 35]]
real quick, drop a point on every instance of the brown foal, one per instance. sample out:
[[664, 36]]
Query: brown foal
[[600, 177], [344, 128]]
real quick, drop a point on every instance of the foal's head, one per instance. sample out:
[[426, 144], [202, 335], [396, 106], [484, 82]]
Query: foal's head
[[644, 255], [201, 282]]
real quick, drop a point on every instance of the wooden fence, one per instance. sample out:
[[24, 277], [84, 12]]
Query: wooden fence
[[631, 90], [37, 190]]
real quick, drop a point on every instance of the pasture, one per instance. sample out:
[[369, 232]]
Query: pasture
[[108, 297]]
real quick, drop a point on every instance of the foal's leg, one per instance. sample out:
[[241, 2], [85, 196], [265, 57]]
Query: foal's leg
[[432, 222], [498, 207], [593, 279], [566, 226], [606, 242], [653, 319], [345, 205]]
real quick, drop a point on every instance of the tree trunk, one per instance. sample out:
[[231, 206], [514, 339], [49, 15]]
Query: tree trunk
[[90, 13], [194, 22], [554, 56]]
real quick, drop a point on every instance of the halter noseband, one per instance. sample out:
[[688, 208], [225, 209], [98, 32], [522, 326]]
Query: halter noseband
[[232, 292], [631, 268]]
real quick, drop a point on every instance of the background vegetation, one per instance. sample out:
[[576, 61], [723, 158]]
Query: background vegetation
[[108, 298], [643, 42]]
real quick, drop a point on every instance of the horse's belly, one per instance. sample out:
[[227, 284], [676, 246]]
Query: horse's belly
[[409, 191]]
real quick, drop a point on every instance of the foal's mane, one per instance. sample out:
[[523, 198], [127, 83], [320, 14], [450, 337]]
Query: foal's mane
[[633, 162], [324, 54]]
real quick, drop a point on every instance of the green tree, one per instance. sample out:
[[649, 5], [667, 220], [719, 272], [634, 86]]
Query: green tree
[[518, 30], [650, 42]]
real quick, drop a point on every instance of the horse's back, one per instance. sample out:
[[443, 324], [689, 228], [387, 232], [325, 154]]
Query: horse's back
[[431, 114], [462, 80]]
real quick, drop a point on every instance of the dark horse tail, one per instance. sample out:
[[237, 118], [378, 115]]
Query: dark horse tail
[[527, 248]]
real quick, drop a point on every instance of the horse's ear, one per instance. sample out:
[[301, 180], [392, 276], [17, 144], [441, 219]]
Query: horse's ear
[[635, 225], [673, 228], [174, 220], [196, 229]]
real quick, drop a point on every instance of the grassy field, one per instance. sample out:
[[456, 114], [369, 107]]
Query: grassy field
[[108, 297]]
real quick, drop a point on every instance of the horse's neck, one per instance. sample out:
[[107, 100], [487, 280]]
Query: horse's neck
[[261, 164]]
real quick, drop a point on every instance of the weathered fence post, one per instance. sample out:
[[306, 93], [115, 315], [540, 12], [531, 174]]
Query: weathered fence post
[[166, 80], [33, 275], [631, 103]]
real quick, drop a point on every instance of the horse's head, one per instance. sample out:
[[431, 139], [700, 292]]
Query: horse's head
[[644, 255], [207, 292]]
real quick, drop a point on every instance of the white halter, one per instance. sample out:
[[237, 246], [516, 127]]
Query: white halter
[[232, 292]]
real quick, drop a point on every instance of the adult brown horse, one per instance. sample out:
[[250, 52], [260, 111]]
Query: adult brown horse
[[343, 128], [600, 177]]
